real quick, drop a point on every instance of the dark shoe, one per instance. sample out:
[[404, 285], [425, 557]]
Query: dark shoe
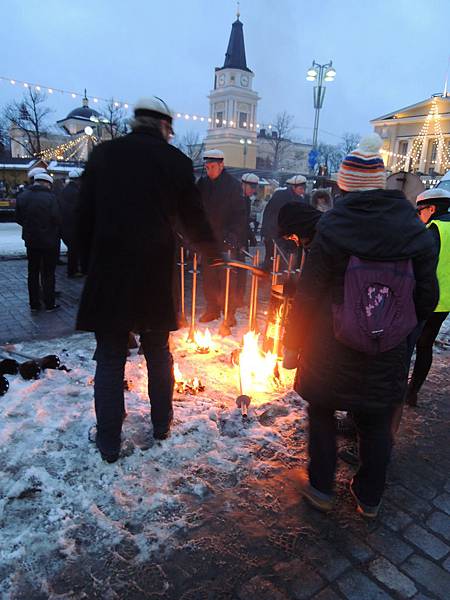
[[35, 309], [53, 308], [231, 321], [365, 510], [209, 315], [349, 456], [411, 396], [60, 262], [108, 457], [161, 433], [317, 499]]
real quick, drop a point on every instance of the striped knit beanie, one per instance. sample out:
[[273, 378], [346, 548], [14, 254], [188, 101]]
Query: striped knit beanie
[[363, 168]]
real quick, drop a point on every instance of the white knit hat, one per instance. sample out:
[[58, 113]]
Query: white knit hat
[[34, 171]]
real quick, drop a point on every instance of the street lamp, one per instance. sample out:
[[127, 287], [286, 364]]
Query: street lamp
[[319, 74], [245, 143]]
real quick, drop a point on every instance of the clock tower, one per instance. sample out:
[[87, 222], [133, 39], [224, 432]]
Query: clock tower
[[232, 105]]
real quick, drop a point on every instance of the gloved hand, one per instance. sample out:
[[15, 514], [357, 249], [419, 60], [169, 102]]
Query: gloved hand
[[290, 359]]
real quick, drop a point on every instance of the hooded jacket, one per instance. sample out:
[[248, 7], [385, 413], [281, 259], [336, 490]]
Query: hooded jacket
[[376, 225]]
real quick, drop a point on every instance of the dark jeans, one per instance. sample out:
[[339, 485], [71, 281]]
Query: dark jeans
[[111, 355], [424, 349], [375, 445], [41, 264]]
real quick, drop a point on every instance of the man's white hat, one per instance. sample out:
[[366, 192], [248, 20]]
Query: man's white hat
[[213, 155], [75, 173], [34, 171], [43, 177], [153, 107], [250, 178], [296, 180], [433, 194]]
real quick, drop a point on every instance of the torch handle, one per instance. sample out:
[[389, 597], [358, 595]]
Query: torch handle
[[227, 289], [182, 283], [194, 297], [255, 294]]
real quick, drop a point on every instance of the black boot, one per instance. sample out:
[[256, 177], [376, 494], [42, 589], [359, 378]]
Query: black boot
[[411, 395]]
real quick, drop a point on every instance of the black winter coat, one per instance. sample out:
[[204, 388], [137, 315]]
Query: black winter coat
[[68, 201], [38, 213], [225, 209], [373, 225], [133, 190], [269, 227]]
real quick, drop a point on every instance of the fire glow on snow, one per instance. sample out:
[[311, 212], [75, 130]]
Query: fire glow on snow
[[54, 488]]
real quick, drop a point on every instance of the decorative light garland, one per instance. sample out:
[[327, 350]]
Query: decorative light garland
[[59, 151]]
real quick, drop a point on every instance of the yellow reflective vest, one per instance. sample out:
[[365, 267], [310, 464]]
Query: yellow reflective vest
[[443, 268]]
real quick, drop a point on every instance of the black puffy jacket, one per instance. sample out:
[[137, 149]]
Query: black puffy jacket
[[38, 213], [374, 225]]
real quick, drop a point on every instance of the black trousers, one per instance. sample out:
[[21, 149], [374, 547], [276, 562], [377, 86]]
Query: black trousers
[[73, 259], [41, 266], [111, 355], [424, 349], [375, 446], [214, 283]]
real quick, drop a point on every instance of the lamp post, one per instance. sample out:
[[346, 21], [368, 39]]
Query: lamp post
[[319, 74], [245, 143]]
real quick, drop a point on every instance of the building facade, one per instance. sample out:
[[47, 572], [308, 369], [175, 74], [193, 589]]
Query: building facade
[[233, 106], [417, 138]]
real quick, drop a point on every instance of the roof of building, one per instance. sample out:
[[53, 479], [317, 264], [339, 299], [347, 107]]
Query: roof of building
[[235, 54], [400, 113], [84, 112]]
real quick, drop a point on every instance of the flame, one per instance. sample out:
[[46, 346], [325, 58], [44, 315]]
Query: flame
[[256, 369], [277, 330], [186, 386], [203, 341]]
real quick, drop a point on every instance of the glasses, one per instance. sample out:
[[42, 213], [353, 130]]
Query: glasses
[[419, 209]]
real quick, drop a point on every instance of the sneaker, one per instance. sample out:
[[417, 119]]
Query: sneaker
[[317, 499], [209, 315], [365, 510], [53, 308]]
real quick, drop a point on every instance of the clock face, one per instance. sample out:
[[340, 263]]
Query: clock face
[[222, 80], [244, 80]]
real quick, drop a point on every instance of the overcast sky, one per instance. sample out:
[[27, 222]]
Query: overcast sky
[[387, 53]]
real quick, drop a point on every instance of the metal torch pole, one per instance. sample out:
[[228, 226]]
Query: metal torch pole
[[274, 260], [255, 295], [224, 329], [183, 320], [191, 336], [252, 299]]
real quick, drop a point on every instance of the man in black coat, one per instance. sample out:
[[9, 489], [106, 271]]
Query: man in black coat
[[295, 192], [227, 213], [37, 211], [372, 224], [68, 205], [133, 190]]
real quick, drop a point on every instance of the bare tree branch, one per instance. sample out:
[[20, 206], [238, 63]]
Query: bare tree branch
[[280, 140], [117, 119], [349, 142], [27, 119], [192, 146]]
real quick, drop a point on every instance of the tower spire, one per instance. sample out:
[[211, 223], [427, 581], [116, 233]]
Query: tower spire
[[235, 54], [238, 11]]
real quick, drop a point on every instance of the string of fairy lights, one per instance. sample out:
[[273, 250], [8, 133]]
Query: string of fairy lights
[[415, 156], [186, 116]]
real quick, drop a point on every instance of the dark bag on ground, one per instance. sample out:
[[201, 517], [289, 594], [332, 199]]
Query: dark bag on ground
[[378, 311]]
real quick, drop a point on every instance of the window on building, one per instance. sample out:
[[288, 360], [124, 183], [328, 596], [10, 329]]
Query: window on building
[[243, 120], [434, 148], [403, 148], [219, 119]]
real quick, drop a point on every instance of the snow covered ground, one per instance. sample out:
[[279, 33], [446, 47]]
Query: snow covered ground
[[57, 495], [11, 242]]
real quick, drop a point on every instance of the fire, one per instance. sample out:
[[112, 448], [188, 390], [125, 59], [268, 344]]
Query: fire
[[186, 386], [256, 369], [203, 341]]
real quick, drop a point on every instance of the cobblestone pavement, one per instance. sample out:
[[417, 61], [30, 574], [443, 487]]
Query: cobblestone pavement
[[17, 323], [255, 539]]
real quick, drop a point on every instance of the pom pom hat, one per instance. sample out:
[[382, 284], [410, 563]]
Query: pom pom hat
[[363, 169]]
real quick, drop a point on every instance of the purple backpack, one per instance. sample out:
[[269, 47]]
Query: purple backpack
[[378, 311]]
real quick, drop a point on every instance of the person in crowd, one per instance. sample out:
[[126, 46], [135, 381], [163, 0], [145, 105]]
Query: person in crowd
[[294, 192], [433, 208], [249, 186], [344, 333], [227, 213], [321, 199], [38, 213], [68, 204], [134, 189]]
